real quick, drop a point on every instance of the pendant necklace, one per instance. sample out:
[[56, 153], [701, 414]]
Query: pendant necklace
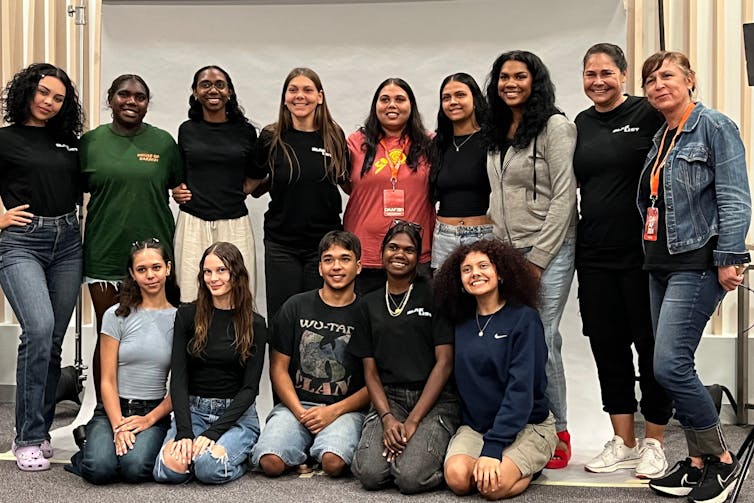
[[458, 147], [398, 307], [482, 328]]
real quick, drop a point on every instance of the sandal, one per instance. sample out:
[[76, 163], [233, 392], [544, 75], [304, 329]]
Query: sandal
[[561, 457], [30, 458], [47, 450]]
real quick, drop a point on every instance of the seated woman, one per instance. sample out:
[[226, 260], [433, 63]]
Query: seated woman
[[218, 355], [129, 425], [408, 358], [507, 434]]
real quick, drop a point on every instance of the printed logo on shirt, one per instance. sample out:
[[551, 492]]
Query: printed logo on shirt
[[419, 311], [321, 151], [396, 155], [146, 157], [626, 129], [501, 336], [322, 353], [69, 149]]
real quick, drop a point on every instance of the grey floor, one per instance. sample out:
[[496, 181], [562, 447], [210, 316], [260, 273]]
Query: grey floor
[[59, 485]]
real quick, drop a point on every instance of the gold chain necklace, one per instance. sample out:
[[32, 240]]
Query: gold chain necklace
[[398, 307]]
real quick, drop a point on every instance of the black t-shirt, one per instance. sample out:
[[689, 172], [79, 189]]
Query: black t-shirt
[[38, 170], [304, 204], [610, 153], [316, 338], [658, 258], [403, 346], [217, 156], [218, 373], [463, 187]]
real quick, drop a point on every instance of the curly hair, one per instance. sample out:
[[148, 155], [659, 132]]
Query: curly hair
[[333, 138], [129, 296], [444, 132], [537, 110], [233, 110], [67, 124], [519, 283], [242, 302], [413, 130]]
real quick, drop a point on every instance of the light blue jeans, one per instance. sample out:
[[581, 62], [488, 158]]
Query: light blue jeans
[[285, 437], [237, 441], [555, 287], [446, 238], [40, 273]]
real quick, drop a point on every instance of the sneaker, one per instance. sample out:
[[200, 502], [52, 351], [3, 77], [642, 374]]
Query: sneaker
[[717, 481], [678, 481], [614, 456], [653, 462]]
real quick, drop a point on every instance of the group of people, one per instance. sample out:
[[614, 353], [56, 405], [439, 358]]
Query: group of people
[[455, 256]]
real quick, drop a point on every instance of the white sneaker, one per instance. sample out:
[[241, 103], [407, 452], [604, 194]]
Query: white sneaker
[[615, 455], [653, 462]]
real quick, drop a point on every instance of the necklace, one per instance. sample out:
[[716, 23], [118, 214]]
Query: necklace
[[458, 147], [480, 327], [398, 307]]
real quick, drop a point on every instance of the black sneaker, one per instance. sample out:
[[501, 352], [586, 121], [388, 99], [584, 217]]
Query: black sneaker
[[717, 480], [679, 480]]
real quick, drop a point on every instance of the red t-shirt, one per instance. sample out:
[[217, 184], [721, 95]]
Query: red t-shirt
[[365, 211]]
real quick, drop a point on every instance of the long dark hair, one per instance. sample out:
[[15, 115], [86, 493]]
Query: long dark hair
[[242, 302], [233, 110], [129, 296], [444, 132], [537, 110], [67, 124], [519, 284], [413, 130]]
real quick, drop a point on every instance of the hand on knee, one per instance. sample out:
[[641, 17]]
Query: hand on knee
[[272, 465], [332, 464], [173, 462]]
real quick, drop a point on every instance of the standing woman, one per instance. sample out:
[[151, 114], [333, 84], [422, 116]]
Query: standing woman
[[694, 198], [305, 155], [40, 242], [408, 358], [218, 355], [389, 178], [507, 433], [614, 137], [128, 167], [217, 147], [533, 201], [129, 425], [458, 173]]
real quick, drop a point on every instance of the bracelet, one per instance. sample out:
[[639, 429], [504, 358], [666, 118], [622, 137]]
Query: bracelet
[[382, 416]]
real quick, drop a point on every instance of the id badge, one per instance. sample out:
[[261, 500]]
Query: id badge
[[650, 226], [394, 202]]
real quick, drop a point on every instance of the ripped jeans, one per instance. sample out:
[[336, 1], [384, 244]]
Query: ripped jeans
[[237, 442]]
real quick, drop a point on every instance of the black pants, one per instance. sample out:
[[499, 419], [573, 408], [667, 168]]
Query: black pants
[[615, 313], [287, 271]]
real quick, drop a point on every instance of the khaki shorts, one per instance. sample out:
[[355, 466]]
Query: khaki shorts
[[530, 452]]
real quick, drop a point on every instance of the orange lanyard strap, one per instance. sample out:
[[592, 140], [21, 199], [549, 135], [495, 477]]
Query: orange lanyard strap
[[394, 166], [654, 181]]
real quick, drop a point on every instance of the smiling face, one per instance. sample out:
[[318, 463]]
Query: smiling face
[[400, 256], [129, 105], [218, 281], [47, 101], [478, 275], [603, 82], [150, 271], [393, 109], [457, 102], [338, 267], [212, 90], [301, 99], [514, 83], [669, 88]]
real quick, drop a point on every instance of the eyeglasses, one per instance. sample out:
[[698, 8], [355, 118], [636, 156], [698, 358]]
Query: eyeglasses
[[206, 85], [405, 223], [145, 243]]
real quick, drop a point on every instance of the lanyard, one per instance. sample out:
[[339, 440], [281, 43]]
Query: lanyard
[[394, 167], [654, 181]]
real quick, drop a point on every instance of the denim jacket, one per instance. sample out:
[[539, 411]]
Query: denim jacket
[[706, 187]]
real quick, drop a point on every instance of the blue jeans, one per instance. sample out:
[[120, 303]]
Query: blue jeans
[[555, 286], [419, 468], [237, 441], [97, 461], [285, 437], [682, 303], [40, 273], [446, 238]]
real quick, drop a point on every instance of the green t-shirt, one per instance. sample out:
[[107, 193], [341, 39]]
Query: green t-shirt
[[128, 178]]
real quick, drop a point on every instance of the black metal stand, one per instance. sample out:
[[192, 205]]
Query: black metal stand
[[745, 455]]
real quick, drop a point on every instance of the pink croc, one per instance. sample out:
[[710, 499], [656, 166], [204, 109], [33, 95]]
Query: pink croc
[[47, 450], [30, 458]]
